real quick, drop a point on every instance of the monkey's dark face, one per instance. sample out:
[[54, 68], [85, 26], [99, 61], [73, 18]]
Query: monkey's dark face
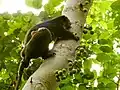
[[66, 23]]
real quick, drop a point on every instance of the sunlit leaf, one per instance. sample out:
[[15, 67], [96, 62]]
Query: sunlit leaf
[[106, 49], [82, 87], [102, 57], [116, 5], [87, 63], [34, 3], [67, 87], [111, 85], [103, 41]]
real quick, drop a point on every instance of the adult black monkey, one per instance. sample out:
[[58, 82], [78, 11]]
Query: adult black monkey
[[36, 41], [59, 27]]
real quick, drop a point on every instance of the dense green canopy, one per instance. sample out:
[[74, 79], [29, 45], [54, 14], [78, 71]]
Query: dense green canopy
[[98, 55]]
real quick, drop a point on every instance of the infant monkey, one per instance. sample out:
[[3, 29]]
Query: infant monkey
[[36, 47]]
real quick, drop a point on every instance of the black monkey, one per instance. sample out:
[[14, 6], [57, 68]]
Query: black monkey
[[38, 38], [59, 27], [37, 46]]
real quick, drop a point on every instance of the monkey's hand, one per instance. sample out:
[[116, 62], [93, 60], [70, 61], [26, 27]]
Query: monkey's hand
[[50, 53]]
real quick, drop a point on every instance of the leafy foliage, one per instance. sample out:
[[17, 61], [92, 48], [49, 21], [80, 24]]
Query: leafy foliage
[[97, 64], [99, 51], [13, 28]]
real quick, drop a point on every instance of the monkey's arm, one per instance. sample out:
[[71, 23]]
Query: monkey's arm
[[67, 35]]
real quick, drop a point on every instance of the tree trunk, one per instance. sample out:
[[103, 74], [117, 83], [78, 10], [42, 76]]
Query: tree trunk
[[44, 77]]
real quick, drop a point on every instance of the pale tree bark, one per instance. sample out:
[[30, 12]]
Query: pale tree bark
[[44, 77]]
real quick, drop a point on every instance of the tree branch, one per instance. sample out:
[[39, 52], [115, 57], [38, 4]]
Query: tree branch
[[44, 77]]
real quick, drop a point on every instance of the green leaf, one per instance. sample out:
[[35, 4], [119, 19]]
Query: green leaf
[[78, 77], [7, 16], [50, 6], [57, 88], [105, 41], [43, 15], [88, 75], [67, 87], [86, 36], [104, 6], [102, 57], [116, 34], [111, 85], [101, 86], [110, 24], [105, 35], [103, 80], [106, 49], [109, 71], [117, 21], [116, 5], [34, 3], [103, 24], [95, 48], [54, 3], [102, 41], [87, 64], [82, 87]]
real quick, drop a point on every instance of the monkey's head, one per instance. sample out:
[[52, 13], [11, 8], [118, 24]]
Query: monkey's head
[[40, 30], [66, 22]]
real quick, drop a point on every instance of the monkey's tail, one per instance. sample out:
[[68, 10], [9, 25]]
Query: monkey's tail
[[19, 76]]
